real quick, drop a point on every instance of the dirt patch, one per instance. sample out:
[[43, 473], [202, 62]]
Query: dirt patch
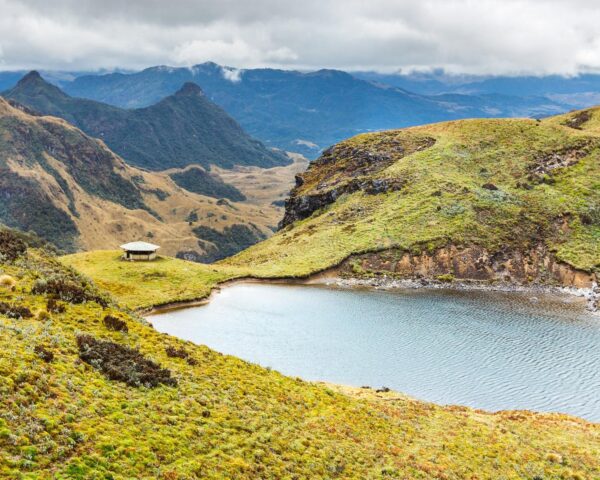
[[535, 267], [577, 120]]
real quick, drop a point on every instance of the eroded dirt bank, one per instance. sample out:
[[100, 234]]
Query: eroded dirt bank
[[536, 269]]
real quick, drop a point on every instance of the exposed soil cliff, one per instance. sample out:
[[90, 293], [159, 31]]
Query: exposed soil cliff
[[470, 263]]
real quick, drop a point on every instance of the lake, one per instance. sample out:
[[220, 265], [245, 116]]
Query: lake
[[487, 350]]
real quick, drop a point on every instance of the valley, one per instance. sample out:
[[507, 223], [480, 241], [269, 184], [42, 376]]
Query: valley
[[93, 200], [90, 389], [110, 396]]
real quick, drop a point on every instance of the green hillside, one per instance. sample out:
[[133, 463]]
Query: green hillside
[[510, 199], [89, 391], [182, 129]]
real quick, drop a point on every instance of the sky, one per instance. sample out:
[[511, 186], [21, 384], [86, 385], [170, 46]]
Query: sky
[[460, 36]]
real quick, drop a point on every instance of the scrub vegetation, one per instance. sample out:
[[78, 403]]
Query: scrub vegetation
[[498, 184], [80, 399]]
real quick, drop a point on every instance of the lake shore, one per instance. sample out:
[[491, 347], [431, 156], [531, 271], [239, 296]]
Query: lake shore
[[588, 298]]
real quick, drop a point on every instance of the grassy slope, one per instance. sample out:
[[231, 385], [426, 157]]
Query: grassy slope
[[144, 284], [231, 419], [443, 200], [466, 155]]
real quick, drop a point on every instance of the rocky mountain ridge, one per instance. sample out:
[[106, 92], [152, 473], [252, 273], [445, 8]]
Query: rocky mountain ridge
[[181, 129]]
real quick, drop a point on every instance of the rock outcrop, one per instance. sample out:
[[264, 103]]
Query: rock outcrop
[[536, 266], [345, 169]]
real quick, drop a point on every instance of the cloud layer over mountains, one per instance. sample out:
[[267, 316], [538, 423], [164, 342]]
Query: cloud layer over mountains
[[461, 36]]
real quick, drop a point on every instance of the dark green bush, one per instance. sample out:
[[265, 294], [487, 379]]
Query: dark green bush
[[53, 306], [14, 311], [68, 289], [45, 354], [11, 246], [114, 324], [122, 363], [174, 352]]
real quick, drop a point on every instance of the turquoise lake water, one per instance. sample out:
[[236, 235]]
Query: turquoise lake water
[[486, 350]]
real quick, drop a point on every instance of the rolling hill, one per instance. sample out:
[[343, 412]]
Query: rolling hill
[[304, 112], [73, 191], [91, 390], [183, 129], [511, 201], [497, 200]]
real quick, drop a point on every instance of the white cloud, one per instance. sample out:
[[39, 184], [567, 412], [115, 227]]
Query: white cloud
[[234, 75], [466, 36]]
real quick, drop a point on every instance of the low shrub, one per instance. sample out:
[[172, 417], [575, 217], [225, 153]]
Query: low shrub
[[15, 311], [67, 289], [45, 354], [53, 306], [113, 323], [11, 246], [174, 352], [122, 363], [446, 277]]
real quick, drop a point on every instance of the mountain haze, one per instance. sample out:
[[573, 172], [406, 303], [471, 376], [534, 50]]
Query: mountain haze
[[303, 112], [184, 128]]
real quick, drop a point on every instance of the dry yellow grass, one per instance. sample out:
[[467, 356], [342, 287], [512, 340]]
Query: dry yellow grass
[[7, 281]]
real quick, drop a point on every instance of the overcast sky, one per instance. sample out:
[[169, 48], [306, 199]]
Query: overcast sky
[[461, 36]]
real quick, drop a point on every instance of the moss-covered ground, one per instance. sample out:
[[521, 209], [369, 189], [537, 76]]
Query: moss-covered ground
[[62, 418], [140, 285]]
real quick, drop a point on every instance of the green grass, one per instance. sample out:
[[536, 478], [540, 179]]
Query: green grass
[[264, 425], [444, 202], [227, 418], [139, 285]]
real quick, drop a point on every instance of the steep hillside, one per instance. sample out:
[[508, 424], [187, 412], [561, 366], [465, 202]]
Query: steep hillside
[[512, 200], [182, 129], [89, 391], [75, 192]]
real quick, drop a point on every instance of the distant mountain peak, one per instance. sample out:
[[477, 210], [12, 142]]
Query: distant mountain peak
[[34, 82], [34, 75], [189, 89]]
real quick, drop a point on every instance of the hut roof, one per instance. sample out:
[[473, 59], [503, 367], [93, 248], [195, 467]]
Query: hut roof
[[140, 247]]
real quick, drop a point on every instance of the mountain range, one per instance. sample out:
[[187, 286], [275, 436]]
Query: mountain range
[[303, 112], [308, 111], [72, 190], [182, 129]]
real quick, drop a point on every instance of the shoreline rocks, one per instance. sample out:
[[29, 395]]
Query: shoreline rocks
[[590, 295]]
